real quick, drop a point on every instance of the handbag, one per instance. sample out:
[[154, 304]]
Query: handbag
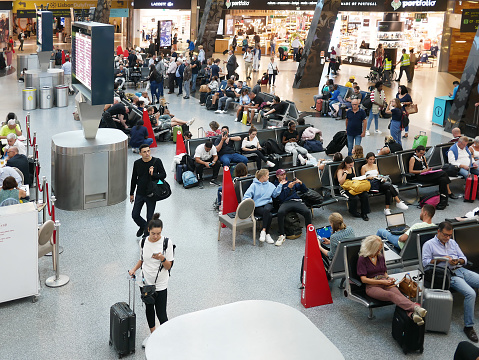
[[411, 109], [408, 286], [148, 294], [355, 187], [204, 88], [275, 72], [438, 278], [451, 170], [158, 190]]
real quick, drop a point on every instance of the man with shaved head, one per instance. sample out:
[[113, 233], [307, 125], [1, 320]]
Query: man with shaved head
[[14, 159]]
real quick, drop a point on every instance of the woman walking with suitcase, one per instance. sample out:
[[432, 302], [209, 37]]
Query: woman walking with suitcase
[[156, 258]]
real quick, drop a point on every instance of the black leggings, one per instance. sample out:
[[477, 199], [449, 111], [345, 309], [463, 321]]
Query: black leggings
[[389, 191], [353, 203], [265, 212], [259, 156], [439, 177], [271, 77], [160, 305], [292, 206]]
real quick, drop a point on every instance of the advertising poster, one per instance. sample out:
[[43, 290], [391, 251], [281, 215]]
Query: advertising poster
[[165, 33]]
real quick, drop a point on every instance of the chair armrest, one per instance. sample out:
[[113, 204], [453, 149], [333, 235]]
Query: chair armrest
[[356, 282], [408, 176]]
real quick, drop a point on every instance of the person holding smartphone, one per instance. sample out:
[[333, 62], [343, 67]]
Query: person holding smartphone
[[155, 261], [339, 231]]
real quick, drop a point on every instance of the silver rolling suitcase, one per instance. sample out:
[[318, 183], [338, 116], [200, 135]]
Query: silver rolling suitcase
[[438, 303]]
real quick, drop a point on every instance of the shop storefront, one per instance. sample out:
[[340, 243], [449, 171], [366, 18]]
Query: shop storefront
[[5, 25], [393, 23], [148, 14]]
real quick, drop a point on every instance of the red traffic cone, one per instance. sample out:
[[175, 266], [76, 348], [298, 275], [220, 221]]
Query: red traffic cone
[[180, 144], [229, 200], [125, 54], [147, 123], [119, 50], [316, 290], [63, 57]]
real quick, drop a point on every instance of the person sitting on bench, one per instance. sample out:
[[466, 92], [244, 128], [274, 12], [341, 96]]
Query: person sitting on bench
[[339, 231], [372, 270], [277, 108]]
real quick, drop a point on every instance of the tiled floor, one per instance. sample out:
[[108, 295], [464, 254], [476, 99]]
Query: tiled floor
[[72, 322]]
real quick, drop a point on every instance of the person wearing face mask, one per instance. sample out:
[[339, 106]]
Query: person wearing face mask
[[394, 108]]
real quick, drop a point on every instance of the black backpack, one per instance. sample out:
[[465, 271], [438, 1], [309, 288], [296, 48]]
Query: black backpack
[[404, 120], [366, 102], [165, 246], [292, 226], [272, 147]]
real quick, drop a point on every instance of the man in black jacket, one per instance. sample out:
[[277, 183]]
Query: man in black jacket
[[14, 159], [231, 64], [145, 170]]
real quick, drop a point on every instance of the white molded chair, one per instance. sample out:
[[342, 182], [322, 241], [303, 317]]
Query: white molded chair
[[244, 218], [45, 238]]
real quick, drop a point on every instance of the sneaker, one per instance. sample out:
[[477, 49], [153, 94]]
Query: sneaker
[[270, 164], [218, 111], [401, 205], [269, 239], [191, 121], [280, 240], [378, 132], [215, 182], [200, 184], [309, 156], [387, 212], [301, 159], [418, 320], [262, 236], [420, 311], [367, 133], [143, 344]]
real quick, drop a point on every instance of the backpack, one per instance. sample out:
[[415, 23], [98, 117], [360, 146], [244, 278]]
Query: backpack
[[366, 102], [165, 246], [405, 121], [272, 147], [430, 199], [311, 198], [189, 179], [313, 146], [292, 226]]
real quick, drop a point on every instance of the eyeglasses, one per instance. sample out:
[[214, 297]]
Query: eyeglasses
[[449, 235]]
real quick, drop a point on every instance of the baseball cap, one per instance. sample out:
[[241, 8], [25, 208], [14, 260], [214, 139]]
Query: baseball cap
[[280, 172]]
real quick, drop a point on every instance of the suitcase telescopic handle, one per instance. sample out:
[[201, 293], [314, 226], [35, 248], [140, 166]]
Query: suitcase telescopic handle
[[434, 271], [131, 280]]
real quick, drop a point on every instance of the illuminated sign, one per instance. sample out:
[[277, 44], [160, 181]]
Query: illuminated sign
[[83, 59]]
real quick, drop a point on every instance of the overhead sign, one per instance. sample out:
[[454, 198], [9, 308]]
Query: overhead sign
[[469, 20], [119, 13], [415, 5], [56, 5], [163, 4]]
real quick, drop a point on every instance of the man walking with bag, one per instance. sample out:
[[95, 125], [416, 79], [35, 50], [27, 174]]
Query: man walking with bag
[[145, 170]]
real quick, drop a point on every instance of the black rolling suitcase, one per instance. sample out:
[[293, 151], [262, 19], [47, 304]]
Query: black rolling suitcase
[[325, 109], [123, 325], [340, 140], [406, 332]]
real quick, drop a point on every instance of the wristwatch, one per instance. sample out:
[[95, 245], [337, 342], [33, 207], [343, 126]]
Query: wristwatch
[[163, 260]]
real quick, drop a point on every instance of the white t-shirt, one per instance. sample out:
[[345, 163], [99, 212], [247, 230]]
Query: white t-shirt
[[201, 153], [145, 100], [338, 52], [247, 143], [295, 43], [271, 67], [150, 265], [248, 57]]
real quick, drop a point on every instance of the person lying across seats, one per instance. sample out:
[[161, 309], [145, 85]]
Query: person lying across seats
[[289, 201], [419, 167], [459, 155], [370, 169], [262, 192], [390, 146], [345, 174], [276, 109], [250, 145], [426, 215], [226, 148], [167, 118], [339, 232], [372, 270]]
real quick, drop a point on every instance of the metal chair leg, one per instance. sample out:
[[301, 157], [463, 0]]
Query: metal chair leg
[[371, 316]]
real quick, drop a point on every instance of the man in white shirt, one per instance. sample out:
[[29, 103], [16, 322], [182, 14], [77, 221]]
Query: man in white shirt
[[248, 62], [172, 76], [338, 57], [144, 97], [295, 45], [13, 141], [67, 73], [206, 156], [460, 156], [152, 61]]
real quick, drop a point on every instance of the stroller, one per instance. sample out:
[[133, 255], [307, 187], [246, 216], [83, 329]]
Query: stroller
[[375, 74]]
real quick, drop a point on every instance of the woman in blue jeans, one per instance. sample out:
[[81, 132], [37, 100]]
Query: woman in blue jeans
[[405, 100], [394, 108], [156, 86]]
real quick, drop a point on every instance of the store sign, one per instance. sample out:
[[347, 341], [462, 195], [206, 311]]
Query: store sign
[[163, 4], [469, 20], [119, 13], [56, 5], [416, 5], [30, 14]]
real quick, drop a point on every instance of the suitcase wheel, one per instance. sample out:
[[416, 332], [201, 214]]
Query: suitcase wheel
[[109, 343]]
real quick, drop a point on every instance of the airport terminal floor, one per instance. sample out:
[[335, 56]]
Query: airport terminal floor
[[100, 246]]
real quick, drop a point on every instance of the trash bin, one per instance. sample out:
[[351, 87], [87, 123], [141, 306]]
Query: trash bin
[[52, 64], [61, 95], [29, 98], [46, 97]]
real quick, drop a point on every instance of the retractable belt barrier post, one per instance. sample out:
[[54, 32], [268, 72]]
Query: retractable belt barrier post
[[57, 280], [44, 195], [27, 122]]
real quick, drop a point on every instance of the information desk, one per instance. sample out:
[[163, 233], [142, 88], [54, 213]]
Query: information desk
[[442, 106], [237, 332], [18, 251]]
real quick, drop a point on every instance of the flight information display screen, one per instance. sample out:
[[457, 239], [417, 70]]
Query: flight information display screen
[[83, 59]]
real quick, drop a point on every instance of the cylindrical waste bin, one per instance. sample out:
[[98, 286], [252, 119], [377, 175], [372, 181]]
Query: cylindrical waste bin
[[61, 95], [29, 98], [52, 64], [26, 62], [46, 97]]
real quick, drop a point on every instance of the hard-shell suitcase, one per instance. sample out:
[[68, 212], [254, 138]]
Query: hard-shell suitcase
[[406, 332], [180, 169], [471, 188], [123, 325], [319, 105], [175, 130], [340, 140], [325, 109], [438, 303]]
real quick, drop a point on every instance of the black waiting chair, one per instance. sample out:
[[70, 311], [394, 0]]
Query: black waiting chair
[[355, 289]]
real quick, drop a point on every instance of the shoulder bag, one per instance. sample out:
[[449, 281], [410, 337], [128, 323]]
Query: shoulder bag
[[158, 190]]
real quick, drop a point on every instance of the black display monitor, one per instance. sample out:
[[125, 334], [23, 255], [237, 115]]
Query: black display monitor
[[92, 61], [45, 30]]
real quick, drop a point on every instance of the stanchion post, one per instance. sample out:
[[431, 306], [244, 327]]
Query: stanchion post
[[27, 120], [57, 280], [35, 178], [44, 197]]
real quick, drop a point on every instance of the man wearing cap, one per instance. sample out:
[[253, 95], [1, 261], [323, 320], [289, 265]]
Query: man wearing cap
[[10, 128], [350, 82], [289, 201]]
